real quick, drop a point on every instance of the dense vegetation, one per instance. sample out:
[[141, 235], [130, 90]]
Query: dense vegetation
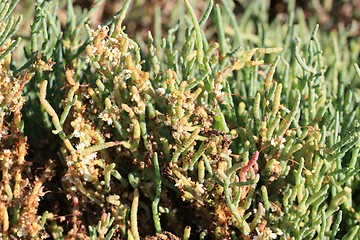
[[179, 119]]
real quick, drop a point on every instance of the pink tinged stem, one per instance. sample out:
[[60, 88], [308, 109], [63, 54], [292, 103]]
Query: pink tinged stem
[[246, 168]]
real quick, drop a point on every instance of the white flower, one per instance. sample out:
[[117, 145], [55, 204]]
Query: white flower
[[87, 59], [91, 156], [160, 91], [80, 146], [105, 116], [86, 174], [199, 188], [136, 97], [76, 133], [273, 235], [7, 152], [282, 141], [218, 87]]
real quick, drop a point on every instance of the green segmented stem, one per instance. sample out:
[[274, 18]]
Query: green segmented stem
[[155, 203], [120, 15], [133, 215], [256, 107], [208, 55], [10, 48], [338, 198], [270, 75], [290, 117], [349, 138], [100, 147], [220, 30], [335, 227], [157, 29], [201, 171], [316, 196], [220, 122], [71, 100], [185, 145], [239, 41], [10, 29], [300, 60], [265, 198], [110, 233], [198, 41], [54, 116], [272, 126], [4, 7], [258, 215], [107, 175], [187, 231], [206, 13], [277, 98], [210, 171], [198, 154], [241, 223]]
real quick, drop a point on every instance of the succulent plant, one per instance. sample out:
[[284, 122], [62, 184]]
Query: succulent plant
[[219, 126]]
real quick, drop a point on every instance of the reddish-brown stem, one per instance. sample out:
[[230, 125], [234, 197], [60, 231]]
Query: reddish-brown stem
[[246, 168]]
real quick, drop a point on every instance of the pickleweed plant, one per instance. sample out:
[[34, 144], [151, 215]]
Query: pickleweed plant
[[20, 191], [215, 125]]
